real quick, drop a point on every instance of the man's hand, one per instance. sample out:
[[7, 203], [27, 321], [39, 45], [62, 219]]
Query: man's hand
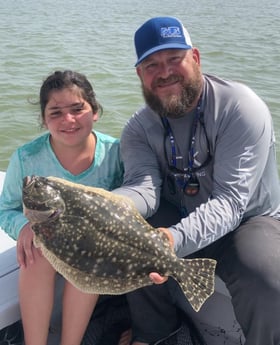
[[168, 235], [155, 277]]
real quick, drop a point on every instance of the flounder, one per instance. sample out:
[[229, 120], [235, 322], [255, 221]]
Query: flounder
[[100, 243]]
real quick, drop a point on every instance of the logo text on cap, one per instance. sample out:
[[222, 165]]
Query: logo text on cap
[[170, 31]]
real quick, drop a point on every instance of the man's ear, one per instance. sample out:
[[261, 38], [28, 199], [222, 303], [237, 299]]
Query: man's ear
[[196, 55], [138, 71]]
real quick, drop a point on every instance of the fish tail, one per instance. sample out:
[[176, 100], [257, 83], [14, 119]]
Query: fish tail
[[196, 277]]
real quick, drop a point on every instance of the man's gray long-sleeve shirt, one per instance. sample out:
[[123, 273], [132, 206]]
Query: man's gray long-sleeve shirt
[[240, 181]]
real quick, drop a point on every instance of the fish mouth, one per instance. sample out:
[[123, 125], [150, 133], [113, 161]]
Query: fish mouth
[[41, 201], [27, 180], [40, 216]]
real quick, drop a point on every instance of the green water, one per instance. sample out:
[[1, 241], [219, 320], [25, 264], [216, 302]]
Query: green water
[[237, 39]]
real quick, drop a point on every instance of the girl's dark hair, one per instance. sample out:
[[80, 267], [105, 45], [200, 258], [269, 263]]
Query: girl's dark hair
[[60, 80]]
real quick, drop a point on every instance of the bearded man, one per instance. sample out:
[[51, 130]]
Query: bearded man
[[205, 145]]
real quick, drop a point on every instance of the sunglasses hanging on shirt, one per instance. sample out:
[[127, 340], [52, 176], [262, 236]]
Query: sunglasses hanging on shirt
[[185, 179]]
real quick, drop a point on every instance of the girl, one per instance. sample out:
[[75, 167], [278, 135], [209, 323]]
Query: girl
[[72, 150]]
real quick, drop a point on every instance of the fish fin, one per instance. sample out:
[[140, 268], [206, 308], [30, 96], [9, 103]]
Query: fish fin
[[198, 281], [101, 191], [78, 279]]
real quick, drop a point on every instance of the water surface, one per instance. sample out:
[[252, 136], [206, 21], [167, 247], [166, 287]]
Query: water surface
[[237, 39]]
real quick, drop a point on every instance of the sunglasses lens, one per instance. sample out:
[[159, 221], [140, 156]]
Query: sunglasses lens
[[192, 186], [188, 184]]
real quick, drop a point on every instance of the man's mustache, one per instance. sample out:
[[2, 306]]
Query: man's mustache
[[166, 81]]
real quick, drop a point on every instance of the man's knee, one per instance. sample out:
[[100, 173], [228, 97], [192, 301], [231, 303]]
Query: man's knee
[[153, 314]]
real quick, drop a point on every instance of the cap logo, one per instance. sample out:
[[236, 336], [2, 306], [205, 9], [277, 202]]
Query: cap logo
[[170, 31]]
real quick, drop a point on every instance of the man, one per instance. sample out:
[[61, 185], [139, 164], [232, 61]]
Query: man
[[205, 145]]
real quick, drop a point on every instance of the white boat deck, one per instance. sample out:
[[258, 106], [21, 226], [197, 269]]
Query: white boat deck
[[9, 308], [215, 319]]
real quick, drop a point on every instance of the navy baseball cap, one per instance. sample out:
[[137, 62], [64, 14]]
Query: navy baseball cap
[[160, 33]]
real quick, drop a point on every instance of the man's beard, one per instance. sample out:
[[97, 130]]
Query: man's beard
[[175, 105]]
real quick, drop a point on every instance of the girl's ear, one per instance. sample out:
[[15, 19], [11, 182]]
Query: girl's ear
[[95, 116], [44, 125]]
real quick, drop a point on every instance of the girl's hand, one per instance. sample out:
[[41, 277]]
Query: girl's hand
[[25, 247]]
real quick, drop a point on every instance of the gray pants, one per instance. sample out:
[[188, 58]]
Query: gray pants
[[248, 261]]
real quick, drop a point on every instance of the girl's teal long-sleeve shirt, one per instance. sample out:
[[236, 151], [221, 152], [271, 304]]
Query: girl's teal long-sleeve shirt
[[37, 158]]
